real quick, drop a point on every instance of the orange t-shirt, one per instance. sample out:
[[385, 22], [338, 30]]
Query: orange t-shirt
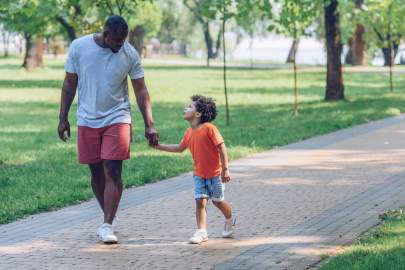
[[203, 143]]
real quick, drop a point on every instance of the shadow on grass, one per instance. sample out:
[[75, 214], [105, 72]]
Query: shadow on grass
[[31, 83]]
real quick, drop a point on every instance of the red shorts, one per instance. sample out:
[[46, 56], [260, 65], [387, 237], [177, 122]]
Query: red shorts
[[106, 143]]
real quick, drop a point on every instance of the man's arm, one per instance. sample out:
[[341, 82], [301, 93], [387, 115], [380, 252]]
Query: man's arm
[[225, 177], [144, 104], [67, 96], [174, 148]]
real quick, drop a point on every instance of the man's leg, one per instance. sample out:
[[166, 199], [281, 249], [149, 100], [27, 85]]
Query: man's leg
[[113, 188], [98, 182]]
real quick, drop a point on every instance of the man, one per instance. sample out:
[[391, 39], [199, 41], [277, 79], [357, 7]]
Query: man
[[98, 65]]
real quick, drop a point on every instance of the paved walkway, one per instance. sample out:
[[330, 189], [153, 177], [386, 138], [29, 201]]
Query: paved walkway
[[292, 204]]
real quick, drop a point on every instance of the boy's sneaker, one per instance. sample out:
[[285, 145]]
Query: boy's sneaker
[[106, 234], [199, 236], [229, 228]]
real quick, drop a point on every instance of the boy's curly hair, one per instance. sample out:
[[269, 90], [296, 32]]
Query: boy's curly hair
[[206, 106]]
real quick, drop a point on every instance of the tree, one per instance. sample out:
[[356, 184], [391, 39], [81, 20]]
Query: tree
[[251, 19], [204, 13], [353, 32], [334, 76], [144, 18], [32, 19], [177, 23], [387, 27], [5, 34], [293, 19]]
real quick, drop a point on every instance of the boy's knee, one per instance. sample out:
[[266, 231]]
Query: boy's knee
[[218, 203], [201, 203]]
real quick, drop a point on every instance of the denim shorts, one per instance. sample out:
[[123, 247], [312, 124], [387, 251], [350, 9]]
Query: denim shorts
[[209, 188]]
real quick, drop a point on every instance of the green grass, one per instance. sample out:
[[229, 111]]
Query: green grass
[[382, 247], [38, 172]]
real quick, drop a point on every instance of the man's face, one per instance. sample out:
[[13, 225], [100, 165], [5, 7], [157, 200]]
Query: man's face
[[114, 41]]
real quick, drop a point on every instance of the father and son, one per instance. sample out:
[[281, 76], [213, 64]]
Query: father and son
[[97, 67]]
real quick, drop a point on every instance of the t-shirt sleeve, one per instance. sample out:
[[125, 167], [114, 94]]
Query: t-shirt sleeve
[[71, 61], [215, 136], [136, 70], [184, 141]]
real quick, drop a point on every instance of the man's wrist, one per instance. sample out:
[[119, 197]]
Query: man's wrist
[[63, 118]]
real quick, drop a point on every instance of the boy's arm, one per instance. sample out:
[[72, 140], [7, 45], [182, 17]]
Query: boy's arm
[[225, 177], [174, 148]]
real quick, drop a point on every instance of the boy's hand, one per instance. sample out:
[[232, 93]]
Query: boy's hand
[[225, 177]]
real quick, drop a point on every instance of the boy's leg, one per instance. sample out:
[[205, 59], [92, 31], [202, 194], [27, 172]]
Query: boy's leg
[[201, 214], [224, 207]]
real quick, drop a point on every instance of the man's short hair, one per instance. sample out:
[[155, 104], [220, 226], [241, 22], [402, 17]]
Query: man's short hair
[[206, 106], [116, 24]]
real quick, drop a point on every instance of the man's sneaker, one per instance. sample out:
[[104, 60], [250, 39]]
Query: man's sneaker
[[229, 228], [199, 237], [106, 234]]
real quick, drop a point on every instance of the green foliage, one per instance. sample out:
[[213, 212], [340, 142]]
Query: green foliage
[[294, 17], [26, 16], [383, 20], [251, 16], [148, 15]]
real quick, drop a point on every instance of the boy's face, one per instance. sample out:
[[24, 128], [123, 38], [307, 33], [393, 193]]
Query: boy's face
[[190, 112]]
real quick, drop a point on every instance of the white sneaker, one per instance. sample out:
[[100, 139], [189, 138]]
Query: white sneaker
[[106, 234], [229, 228], [199, 237]]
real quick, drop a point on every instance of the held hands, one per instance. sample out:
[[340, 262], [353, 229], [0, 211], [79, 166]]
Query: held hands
[[64, 130], [152, 136], [225, 176]]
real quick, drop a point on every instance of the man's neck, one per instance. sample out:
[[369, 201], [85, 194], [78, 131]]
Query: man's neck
[[98, 38]]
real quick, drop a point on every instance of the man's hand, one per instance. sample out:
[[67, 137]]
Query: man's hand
[[152, 136], [225, 177], [64, 130]]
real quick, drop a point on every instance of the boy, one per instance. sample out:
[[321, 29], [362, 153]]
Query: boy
[[210, 163]]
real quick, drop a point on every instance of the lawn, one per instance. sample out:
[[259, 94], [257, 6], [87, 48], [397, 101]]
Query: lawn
[[382, 247], [38, 172]]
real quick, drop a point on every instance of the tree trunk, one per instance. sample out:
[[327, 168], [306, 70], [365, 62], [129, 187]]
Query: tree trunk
[[208, 41], [295, 87], [225, 86], [349, 56], [334, 80], [39, 52], [28, 50], [69, 28], [359, 46], [136, 38], [251, 50], [6, 41], [293, 51], [388, 59], [33, 52]]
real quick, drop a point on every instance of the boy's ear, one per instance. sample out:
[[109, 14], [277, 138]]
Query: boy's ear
[[198, 114]]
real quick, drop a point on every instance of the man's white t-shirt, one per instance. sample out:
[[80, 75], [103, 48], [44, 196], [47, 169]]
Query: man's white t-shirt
[[102, 87]]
